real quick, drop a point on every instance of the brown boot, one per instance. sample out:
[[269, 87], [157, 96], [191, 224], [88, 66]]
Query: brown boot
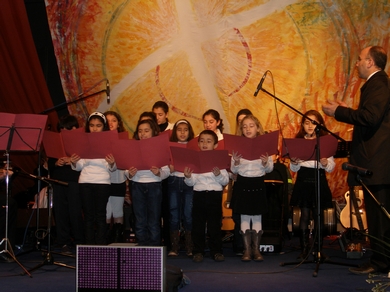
[[175, 243], [246, 239], [189, 244], [256, 238]]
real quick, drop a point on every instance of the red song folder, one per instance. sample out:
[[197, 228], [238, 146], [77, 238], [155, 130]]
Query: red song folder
[[199, 161], [142, 154], [88, 145], [252, 149], [54, 147], [304, 149], [21, 132]]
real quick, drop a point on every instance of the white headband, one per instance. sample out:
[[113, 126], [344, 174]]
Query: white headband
[[98, 114], [181, 121]]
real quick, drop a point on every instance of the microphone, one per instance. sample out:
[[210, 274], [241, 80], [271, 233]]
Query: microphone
[[260, 84], [108, 91], [356, 169]]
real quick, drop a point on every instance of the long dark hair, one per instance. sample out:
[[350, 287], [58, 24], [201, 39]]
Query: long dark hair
[[191, 134], [216, 116], [121, 128], [302, 133], [153, 126]]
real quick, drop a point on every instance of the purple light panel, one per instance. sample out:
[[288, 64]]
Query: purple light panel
[[125, 268]]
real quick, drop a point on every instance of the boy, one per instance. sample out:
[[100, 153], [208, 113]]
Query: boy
[[207, 202]]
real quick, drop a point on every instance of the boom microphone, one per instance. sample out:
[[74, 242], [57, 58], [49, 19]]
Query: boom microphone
[[108, 91], [260, 84], [356, 169]]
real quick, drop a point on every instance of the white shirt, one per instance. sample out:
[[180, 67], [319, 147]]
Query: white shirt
[[252, 168], [208, 181], [94, 171], [147, 176], [119, 176], [312, 164]]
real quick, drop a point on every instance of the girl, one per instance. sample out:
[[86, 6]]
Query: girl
[[160, 108], [207, 202], [212, 121], [146, 192], [304, 192], [117, 188], [249, 191], [180, 195], [94, 183], [239, 117]]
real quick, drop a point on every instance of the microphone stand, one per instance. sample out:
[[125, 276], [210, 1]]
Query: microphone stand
[[317, 255], [72, 101], [49, 258]]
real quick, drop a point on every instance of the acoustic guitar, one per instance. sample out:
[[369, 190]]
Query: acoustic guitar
[[354, 216]]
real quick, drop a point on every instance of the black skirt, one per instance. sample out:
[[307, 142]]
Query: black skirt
[[305, 191], [249, 196]]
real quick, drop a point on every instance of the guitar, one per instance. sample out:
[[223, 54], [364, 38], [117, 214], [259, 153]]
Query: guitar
[[354, 216]]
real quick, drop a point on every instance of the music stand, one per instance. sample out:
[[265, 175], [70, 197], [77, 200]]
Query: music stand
[[21, 132]]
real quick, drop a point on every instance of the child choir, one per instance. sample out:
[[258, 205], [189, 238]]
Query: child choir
[[194, 200]]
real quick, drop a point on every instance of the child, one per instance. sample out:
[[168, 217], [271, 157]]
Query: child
[[94, 183], [146, 192], [66, 199], [304, 194], [160, 108], [180, 195], [239, 117], [237, 238], [207, 202], [212, 121], [249, 191], [117, 188]]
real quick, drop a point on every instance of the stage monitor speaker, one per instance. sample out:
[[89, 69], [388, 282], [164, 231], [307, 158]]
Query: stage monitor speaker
[[122, 267]]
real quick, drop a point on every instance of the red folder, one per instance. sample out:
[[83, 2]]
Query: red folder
[[54, 147], [89, 145], [304, 149], [27, 131], [252, 149], [199, 161], [142, 154]]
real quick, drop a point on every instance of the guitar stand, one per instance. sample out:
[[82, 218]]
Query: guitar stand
[[49, 260]]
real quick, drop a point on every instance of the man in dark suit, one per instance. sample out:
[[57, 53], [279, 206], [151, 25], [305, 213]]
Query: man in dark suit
[[370, 150]]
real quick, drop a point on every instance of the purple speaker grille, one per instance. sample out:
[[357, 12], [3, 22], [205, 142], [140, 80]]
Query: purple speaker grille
[[131, 268]]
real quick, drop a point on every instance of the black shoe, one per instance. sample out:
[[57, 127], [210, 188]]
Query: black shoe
[[363, 269]]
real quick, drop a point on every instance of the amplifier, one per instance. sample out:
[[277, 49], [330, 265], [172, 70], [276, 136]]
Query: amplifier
[[271, 241], [125, 267]]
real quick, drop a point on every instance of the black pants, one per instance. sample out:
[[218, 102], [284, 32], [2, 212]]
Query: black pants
[[94, 198], [68, 214], [207, 209]]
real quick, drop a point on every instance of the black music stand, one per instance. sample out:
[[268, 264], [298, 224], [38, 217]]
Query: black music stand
[[317, 256], [21, 132]]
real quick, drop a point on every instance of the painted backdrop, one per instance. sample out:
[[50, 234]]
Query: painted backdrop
[[201, 54]]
